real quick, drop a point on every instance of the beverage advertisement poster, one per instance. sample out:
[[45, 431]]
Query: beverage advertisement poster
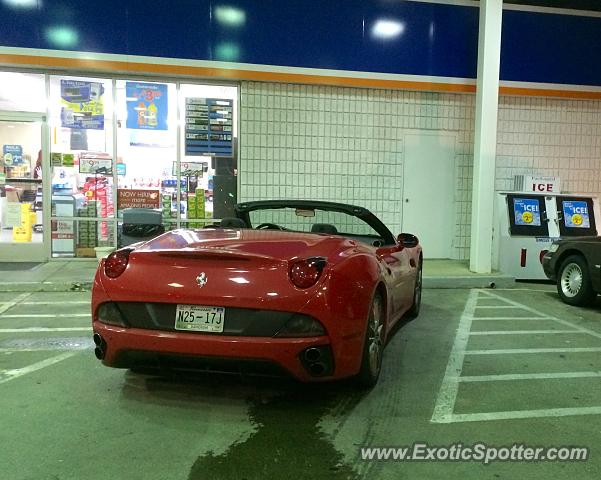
[[575, 214], [527, 212], [12, 155], [82, 105], [147, 106]]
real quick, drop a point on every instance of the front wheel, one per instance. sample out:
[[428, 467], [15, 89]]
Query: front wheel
[[574, 282], [373, 347]]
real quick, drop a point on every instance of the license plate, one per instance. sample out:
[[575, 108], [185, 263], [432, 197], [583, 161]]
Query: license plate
[[199, 318]]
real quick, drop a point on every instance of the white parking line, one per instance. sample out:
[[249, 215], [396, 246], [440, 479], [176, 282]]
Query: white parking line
[[445, 402], [527, 376], [513, 351], [45, 315], [12, 303], [521, 319], [532, 310], [9, 351], [45, 329], [523, 332], [550, 290], [513, 318], [19, 372], [521, 414], [495, 306], [70, 302]]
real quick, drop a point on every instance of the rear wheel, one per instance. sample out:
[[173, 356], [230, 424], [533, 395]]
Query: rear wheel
[[574, 282], [371, 361], [413, 312]]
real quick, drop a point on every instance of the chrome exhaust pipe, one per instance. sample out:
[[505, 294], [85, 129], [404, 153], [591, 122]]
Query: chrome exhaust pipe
[[317, 368], [312, 354], [99, 351]]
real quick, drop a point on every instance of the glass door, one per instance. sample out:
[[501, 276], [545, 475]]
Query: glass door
[[22, 205]]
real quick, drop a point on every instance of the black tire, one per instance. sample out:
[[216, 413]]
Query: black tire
[[574, 282], [373, 346], [413, 312]]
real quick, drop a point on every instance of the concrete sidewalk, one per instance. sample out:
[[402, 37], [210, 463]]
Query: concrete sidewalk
[[456, 274], [59, 276], [70, 275]]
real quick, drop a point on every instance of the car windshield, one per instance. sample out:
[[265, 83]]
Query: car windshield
[[315, 220]]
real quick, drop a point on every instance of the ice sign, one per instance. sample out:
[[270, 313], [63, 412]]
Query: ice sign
[[575, 214], [527, 212]]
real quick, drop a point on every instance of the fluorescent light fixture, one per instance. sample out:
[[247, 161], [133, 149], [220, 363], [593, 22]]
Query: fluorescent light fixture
[[21, 3], [227, 52], [386, 29], [230, 16], [62, 37]]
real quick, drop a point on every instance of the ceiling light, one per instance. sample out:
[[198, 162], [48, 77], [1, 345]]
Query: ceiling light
[[386, 29], [230, 16], [21, 3], [62, 37]]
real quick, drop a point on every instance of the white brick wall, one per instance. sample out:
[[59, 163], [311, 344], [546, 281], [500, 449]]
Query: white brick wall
[[550, 137], [346, 144]]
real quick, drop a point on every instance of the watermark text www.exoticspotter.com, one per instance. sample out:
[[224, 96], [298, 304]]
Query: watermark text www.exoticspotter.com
[[477, 452]]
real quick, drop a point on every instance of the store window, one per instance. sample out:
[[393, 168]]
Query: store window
[[22, 92], [123, 152], [146, 155], [81, 161], [21, 204], [208, 153]]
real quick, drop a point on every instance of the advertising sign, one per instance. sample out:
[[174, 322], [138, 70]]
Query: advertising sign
[[102, 166], [147, 106], [209, 127], [12, 155], [62, 230], [13, 214], [576, 215], [127, 198], [527, 212], [189, 169], [82, 105]]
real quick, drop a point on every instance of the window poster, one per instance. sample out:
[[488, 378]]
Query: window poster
[[12, 155], [575, 214], [527, 212], [147, 106], [82, 105]]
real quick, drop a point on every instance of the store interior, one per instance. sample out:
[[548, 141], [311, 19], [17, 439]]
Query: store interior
[[20, 181], [116, 145]]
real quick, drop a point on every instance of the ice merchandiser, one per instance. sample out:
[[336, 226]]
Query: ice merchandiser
[[527, 225]]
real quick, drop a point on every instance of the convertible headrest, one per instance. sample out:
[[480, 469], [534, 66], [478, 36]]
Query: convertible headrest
[[324, 228], [232, 222]]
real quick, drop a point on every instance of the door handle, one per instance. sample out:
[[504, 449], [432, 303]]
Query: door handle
[[406, 200]]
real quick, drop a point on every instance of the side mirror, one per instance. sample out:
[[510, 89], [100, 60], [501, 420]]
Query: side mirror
[[407, 240]]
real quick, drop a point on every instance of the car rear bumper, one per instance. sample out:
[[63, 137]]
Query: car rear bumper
[[549, 266], [134, 347]]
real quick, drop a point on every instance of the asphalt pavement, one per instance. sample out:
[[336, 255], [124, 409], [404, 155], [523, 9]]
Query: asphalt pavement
[[498, 367]]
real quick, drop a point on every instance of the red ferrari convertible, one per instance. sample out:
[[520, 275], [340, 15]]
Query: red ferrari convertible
[[307, 288]]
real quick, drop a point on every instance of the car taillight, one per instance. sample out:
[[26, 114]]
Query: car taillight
[[116, 263], [305, 273]]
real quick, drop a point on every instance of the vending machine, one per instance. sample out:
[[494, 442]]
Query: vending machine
[[527, 224]]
